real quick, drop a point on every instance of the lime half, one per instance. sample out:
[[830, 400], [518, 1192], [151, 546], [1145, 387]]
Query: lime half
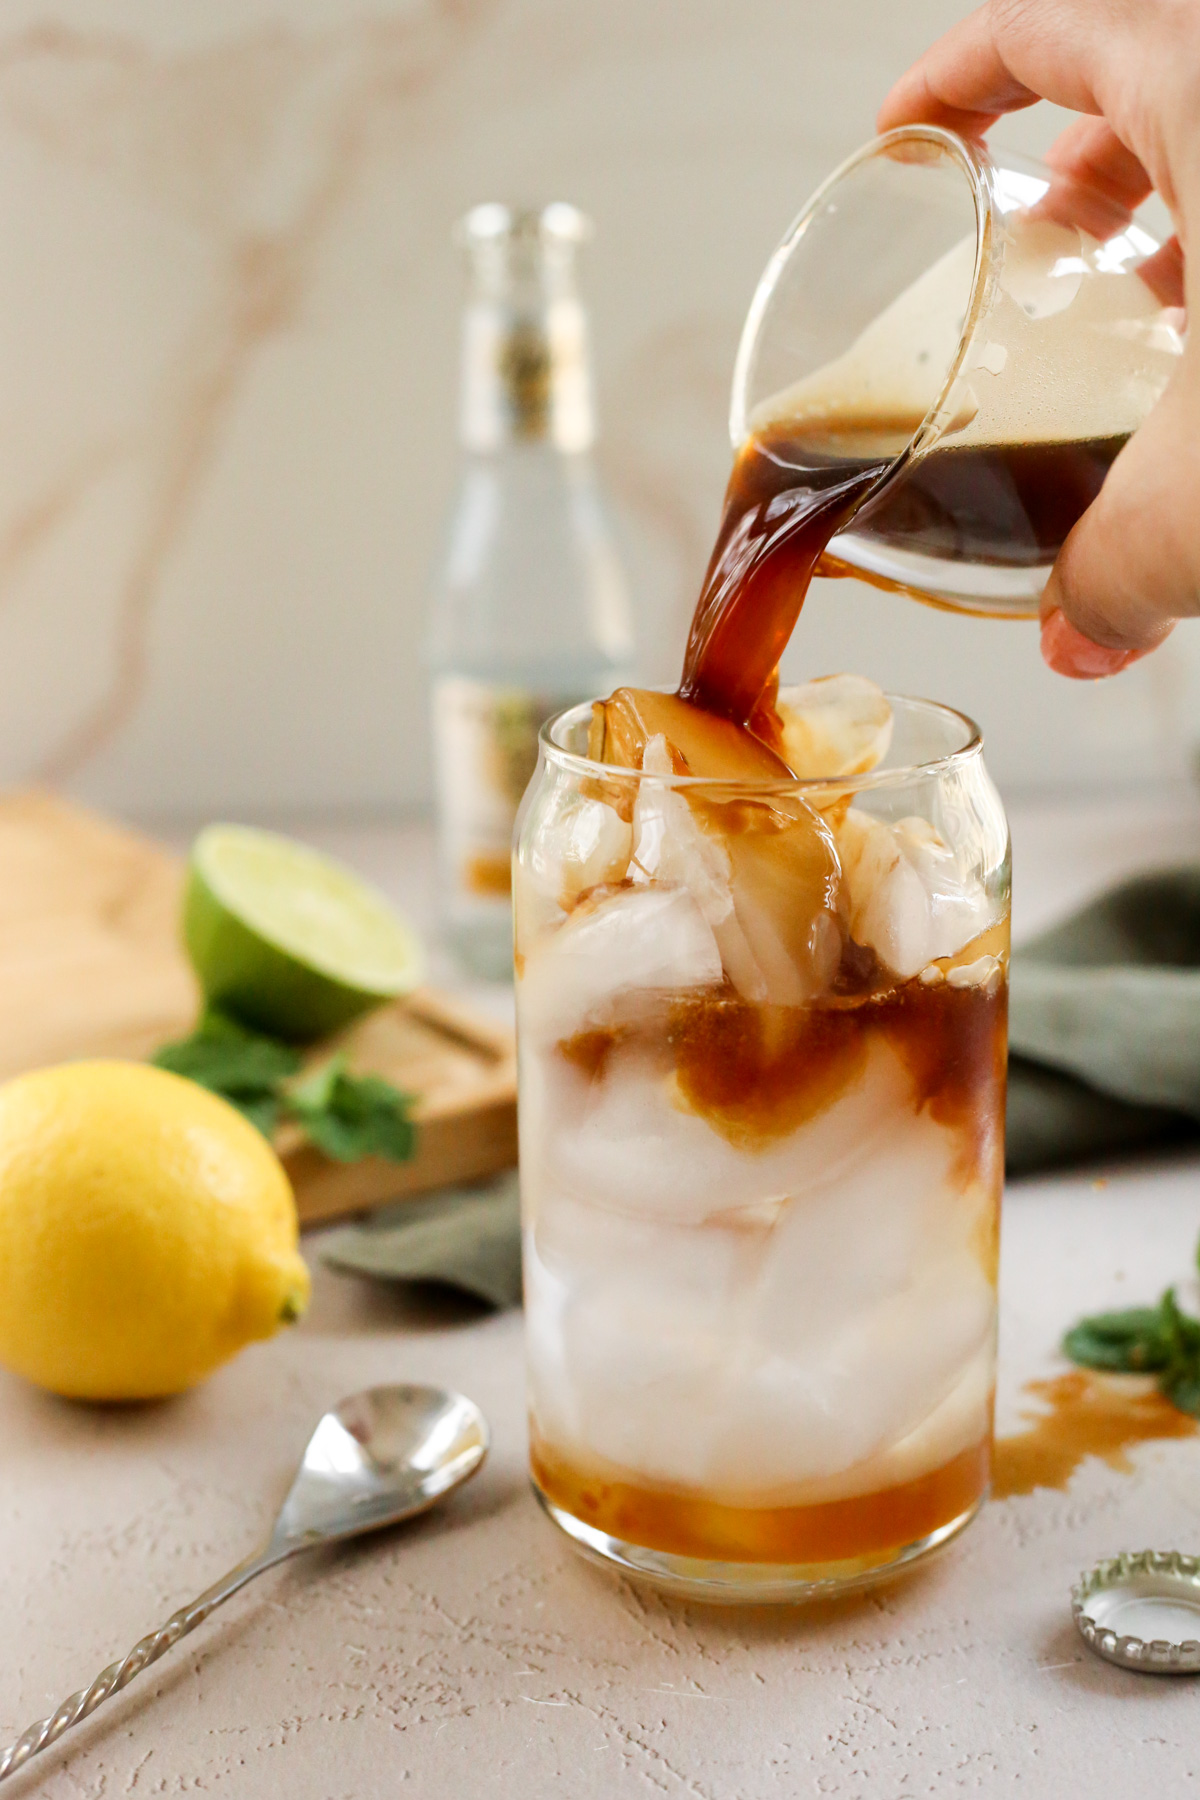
[[287, 940]]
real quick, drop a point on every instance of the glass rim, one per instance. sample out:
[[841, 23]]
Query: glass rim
[[974, 160], [798, 785]]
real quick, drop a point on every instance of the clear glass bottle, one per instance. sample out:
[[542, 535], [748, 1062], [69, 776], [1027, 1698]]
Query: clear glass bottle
[[530, 608]]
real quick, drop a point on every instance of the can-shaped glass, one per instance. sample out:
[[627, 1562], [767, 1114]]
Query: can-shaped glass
[[762, 1039]]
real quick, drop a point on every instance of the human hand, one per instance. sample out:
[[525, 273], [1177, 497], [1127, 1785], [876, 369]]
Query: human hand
[[1131, 566]]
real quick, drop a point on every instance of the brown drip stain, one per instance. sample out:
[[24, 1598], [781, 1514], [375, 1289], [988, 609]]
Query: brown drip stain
[[1085, 1414]]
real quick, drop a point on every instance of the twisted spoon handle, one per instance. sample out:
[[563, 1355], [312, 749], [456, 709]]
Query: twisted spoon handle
[[110, 1681]]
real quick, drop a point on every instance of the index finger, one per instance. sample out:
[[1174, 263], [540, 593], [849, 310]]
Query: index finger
[[962, 82]]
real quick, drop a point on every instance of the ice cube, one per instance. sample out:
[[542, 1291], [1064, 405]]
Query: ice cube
[[743, 1321], [536, 911], [591, 1247], [574, 842], [668, 1380], [865, 1385], [596, 847], [623, 1144], [570, 842], [869, 1301], [551, 1391], [700, 743], [643, 1328], [985, 972], [959, 903], [645, 1375], [670, 844], [962, 1419], [657, 758], [631, 1306], [786, 885], [959, 1421], [909, 898], [675, 841], [862, 1226], [628, 1144], [638, 938], [836, 725], [889, 909], [764, 874]]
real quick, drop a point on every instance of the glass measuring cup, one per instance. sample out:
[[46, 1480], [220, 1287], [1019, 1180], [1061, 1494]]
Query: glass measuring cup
[[989, 332]]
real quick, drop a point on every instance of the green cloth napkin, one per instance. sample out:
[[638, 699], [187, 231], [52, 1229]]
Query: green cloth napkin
[[462, 1237], [1104, 1025]]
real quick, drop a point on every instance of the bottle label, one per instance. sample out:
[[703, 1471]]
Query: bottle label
[[485, 740], [526, 378]]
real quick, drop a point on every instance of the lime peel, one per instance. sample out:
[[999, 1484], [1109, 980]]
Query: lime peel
[[287, 940]]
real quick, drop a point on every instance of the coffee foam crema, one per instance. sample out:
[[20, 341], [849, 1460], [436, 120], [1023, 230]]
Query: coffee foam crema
[[1075, 347]]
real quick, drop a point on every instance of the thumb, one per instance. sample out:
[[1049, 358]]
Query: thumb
[[1131, 566]]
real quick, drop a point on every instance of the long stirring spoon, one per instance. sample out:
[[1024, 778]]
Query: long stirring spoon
[[379, 1457]]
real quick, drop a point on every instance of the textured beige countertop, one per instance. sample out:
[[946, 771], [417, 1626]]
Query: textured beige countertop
[[474, 1653]]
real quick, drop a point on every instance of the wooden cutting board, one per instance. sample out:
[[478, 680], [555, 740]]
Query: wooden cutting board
[[90, 965]]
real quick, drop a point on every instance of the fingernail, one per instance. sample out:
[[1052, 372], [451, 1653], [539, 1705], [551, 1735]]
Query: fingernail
[[1068, 652]]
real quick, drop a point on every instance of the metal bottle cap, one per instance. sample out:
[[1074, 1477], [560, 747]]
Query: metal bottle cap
[[1142, 1611]]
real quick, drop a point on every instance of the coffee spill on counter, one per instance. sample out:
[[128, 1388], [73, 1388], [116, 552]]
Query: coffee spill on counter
[[1085, 1414]]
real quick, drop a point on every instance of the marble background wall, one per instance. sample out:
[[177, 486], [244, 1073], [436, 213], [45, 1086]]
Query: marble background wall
[[228, 346]]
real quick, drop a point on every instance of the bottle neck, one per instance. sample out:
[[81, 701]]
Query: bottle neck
[[525, 376]]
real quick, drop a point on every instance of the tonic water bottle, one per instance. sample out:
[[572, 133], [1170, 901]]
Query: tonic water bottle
[[530, 608]]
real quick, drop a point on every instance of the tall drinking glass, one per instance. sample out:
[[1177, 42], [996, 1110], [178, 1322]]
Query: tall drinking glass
[[762, 1051]]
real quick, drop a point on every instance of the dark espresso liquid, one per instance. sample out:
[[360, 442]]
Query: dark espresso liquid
[[1007, 505], [1010, 505]]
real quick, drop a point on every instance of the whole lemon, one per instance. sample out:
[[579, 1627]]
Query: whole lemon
[[147, 1231]]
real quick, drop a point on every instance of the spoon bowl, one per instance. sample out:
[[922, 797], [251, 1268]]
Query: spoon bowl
[[382, 1456]]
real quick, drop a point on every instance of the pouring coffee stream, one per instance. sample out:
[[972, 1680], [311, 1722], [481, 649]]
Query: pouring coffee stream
[[781, 509]]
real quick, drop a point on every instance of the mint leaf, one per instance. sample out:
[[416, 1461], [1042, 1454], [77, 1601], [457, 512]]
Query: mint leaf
[[347, 1116], [243, 1067], [1135, 1342], [1184, 1330], [1182, 1388], [315, 1092], [229, 1059], [262, 1110], [351, 1116], [1162, 1340], [1180, 1381]]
